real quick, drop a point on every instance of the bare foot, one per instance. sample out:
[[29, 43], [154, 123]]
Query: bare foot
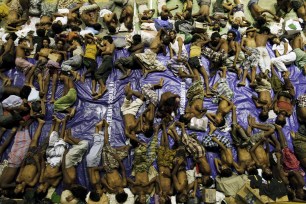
[[56, 119], [105, 123], [100, 124], [66, 137], [127, 74], [52, 100], [94, 93], [239, 72], [208, 93], [161, 82], [253, 84], [292, 133], [241, 84], [212, 128], [278, 127], [100, 94], [251, 120], [127, 89], [72, 112], [82, 79]]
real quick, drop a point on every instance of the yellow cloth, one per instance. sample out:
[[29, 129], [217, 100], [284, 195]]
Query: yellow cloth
[[4, 10], [195, 51], [91, 51]]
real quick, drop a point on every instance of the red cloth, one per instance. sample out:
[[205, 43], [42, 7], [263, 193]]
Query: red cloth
[[283, 105], [290, 161]]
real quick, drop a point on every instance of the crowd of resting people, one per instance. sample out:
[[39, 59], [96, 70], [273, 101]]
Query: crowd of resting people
[[66, 42]]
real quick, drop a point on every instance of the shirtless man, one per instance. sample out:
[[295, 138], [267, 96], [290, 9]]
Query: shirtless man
[[42, 57], [129, 110], [248, 46], [258, 13], [263, 100], [109, 17], [127, 64], [298, 48], [284, 99], [148, 60], [51, 174], [113, 181], [18, 14], [143, 160], [21, 62], [102, 73], [225, 105], [178, 55], [234, 54], [65, 103], [59, 54], [195, 59], [240, 139], [126, 17], [194, 110], [236, 13], [30, 168], [165, 158], [7, 58], [224, 164], [204, 10], [148, 116], [301, 109], [93, 158], [168, 105], [261, 40], [258, 153], [90, 15]]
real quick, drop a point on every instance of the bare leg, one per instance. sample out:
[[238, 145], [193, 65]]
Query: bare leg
[[34, 141], [7, 141], [63, 127], [206, 80], [281, 137], [102, 90], [46, 86], [253, 74], [93, 87], [106, 136], [29, 75], [245, 73], [267, 130], [72, 140], [99, 126], [54, 85]]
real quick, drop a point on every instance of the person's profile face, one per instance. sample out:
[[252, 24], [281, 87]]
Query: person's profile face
[[45, 43]]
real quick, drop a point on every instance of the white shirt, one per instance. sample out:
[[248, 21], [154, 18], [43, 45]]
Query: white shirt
[[281, 47], [34, 95], [103, 12]]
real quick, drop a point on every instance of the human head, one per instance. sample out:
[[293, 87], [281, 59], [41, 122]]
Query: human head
[[216, 27], [281, 119], [46, 42], [275, 40], [89, 40], [25, 92], [129, 24], [107, 38], [235, 25], [22, 41], [136, 39], [195, 38], [231, 35], [41, 191], [252, 170], [267, 173], [215, 37], [165, 40], [94, 196], [208, 181], [219, 120], [250, 33], [57, 27], [181, 198], [164, 16], [186, 118], [60, 44], [148, 130], [40, 32], [264, 30], [76, 40], [121, 197], [264, 114], [13, 36], [111, 29], [226, 172], [172, 35], [79, 192], [261, 20]]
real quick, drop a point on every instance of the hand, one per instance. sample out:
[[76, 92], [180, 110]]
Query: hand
[[249, 53]]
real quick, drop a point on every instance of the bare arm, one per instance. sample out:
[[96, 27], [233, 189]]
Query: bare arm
[[217, 163], [252, 152]]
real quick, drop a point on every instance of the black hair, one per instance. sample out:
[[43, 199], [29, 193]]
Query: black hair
[[232, 32], [75, 28], [183, 119], [136, 39], [267, 176], [209, 182], [253, 171], [79, 192], [149, 132], [40, 195], [281, 122], [264, 29], [222, 123], [21, 40], [41, 32], [75, 38], [57, 28], [96, 26], [261, 21], [201, 19], [25, 112], [94, 196], [108, 38], [235, 26], [121, 197], [263, 116], [215, 35], [62, 40], [164, 16], [36, 106], [226, 172], [111, 29], [47, 39], [172, 31], [13, 36], [129, 25], [195, 37], [166, 39], [25, 92]]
